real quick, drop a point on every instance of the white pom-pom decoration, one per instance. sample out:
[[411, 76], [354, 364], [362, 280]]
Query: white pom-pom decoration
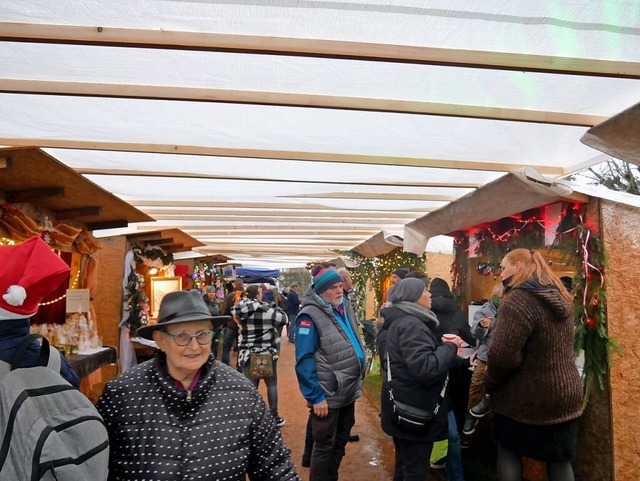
[[15, 295]]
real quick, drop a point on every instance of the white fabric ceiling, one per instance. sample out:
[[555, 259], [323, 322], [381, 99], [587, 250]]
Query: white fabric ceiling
[[277, 131]]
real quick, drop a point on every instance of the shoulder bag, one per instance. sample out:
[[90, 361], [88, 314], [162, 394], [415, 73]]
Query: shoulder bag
[[410, 418]]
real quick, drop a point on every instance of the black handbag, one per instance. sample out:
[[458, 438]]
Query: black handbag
[[410, 418]]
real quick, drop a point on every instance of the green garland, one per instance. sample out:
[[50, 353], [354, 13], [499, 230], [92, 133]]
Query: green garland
[[458, 272], [137, 303], [583, 247], [376, 270]]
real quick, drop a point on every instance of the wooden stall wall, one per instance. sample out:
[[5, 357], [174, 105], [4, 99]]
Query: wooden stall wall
[[108, 302], [621, 235], [439, 265]]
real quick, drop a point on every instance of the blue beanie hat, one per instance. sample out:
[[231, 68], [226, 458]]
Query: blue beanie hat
[[324, 279]]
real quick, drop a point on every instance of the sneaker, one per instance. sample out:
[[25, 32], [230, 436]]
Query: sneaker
[[439, 464], [306, 461], [482, 408], [280, 422], [465, 444], [470, 424]]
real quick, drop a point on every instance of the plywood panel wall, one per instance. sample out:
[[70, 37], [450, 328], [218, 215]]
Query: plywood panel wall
[[621, 233]]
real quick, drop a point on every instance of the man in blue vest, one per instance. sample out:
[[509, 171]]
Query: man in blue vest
[[330, 366]]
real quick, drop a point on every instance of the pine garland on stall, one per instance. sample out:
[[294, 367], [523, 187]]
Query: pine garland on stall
[[137, 303], [377, 269], [583, 247]]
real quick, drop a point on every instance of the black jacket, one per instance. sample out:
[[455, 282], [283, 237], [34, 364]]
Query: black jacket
[[419, 362], [451, 319], [220, 430], [12, 333]]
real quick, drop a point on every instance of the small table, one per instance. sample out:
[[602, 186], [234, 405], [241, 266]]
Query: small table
[[85, 364]]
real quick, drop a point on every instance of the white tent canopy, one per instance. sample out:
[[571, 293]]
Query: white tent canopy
[[280, 131]]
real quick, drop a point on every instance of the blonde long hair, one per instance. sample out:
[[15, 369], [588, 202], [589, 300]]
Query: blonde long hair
[[534, 264]]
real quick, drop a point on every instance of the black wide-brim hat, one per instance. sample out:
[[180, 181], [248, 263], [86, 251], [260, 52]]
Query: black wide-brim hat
[[179, 307]]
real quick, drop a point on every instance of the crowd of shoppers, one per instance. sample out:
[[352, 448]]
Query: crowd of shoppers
[[182, 415]]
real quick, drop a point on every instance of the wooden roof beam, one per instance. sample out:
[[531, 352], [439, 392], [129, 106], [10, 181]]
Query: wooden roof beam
[[278, 155], [159, 242], [192, 94], [78, 212], [113, 224], [29, 195], [6, 163], [301, 47]]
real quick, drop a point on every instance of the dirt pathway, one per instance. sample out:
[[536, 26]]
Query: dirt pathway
[[369, 459]]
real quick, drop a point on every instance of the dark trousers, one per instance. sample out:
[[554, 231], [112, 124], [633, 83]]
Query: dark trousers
[[330, 436], [215, 342], [412, 460], [230, 337], [308, 437]]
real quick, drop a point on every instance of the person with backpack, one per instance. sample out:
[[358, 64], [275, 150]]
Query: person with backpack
[[231, 331], [184, 416], [49, 271], [43, 417], [259, 342]]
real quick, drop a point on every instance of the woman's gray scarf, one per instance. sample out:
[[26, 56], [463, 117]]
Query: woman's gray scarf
[[415, 310]]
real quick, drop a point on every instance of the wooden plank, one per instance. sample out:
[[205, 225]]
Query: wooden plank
[[190, 175], [28, 195], [192, 94], [111, 224], [78, 212], [5, 163], [279, 154], [377, 52]]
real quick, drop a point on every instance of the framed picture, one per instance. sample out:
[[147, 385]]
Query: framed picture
[[161, 286]]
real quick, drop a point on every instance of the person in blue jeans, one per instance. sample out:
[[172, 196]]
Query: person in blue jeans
[[454, 451]]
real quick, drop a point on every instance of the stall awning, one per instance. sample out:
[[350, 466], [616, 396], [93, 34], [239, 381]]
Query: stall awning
[[380, 244], [514, 192], [618, 136]]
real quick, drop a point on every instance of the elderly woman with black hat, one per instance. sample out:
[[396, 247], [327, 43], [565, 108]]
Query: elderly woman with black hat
[[182, 415], [416, 363]]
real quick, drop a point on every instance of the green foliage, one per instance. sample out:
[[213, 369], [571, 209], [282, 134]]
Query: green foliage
[[583, 247], [376, 270], [614, 174], [137, 303], [300, 276]]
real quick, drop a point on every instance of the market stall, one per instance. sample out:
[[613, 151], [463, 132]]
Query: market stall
[[63, 208], [590, 235], [142, 271]]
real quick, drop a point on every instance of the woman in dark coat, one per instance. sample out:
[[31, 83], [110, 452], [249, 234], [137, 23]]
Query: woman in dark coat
[[419, 363]]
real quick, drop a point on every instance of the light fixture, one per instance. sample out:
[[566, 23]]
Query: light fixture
[[153, 271]]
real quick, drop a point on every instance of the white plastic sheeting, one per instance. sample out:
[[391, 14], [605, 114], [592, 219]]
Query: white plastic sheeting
[[280, 131]]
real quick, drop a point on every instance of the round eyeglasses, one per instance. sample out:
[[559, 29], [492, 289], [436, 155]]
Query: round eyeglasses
[[183, 338]]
